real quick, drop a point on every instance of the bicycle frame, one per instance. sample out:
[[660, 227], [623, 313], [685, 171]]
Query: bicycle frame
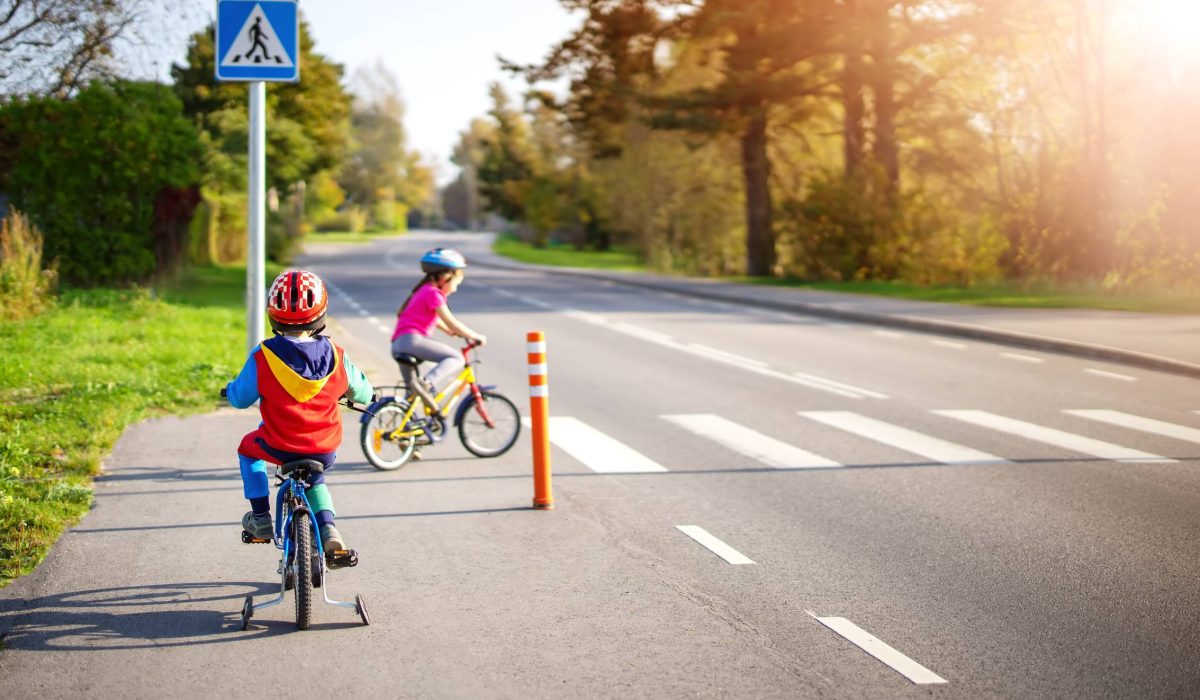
[[455, 390]]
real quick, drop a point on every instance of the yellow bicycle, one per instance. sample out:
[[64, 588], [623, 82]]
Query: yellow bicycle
[[395, 425]]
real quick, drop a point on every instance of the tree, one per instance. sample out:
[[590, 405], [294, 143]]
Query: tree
[[508, 158], [55, 46], [766, 50], [380, 169]]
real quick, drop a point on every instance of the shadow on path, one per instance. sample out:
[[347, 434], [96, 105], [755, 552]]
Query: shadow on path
[[84, 621]]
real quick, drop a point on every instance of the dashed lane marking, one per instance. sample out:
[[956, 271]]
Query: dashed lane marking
[[1110, 375], [949, 344], [714, 545], [1022, 358], [891, 658]]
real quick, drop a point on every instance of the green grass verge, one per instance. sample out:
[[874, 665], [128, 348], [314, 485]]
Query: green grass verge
[[1000, 294], [75, 376], [561, 255], [349, 236]]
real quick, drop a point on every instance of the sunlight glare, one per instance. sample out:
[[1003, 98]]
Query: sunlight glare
[[1173, 26]]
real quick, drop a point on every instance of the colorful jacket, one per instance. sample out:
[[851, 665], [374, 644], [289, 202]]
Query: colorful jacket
[[298, 384]]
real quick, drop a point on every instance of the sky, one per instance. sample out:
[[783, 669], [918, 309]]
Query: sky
[[443, 53]]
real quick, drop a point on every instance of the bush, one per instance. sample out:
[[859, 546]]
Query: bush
[[88, 171], [25, 287], [350, 219]]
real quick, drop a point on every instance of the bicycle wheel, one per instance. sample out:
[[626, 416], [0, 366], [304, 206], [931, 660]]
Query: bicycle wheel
[[381, 452], [482, 439], [303, 538]]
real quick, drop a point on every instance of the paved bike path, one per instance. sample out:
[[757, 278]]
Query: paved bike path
[[471, 592]]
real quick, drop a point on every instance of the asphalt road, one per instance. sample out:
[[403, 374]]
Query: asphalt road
[[989, 522]]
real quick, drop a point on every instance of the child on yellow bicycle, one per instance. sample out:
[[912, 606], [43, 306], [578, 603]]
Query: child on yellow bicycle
[[297, 376], [426, 309]]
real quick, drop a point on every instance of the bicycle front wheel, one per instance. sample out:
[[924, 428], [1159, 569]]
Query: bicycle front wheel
[[303, 558], [381, 449], [489, 427]]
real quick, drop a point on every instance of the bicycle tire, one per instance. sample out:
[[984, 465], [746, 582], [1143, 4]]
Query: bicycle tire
[[386, 455], [303, 529], [482, 440]]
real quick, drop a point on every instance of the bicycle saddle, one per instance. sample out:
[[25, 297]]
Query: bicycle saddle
[[406, 359], [310, 466]]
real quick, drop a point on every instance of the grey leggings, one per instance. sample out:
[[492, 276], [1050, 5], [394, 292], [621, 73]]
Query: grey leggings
[[449, 361]]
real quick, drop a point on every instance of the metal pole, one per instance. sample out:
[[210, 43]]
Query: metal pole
[[256, 291]]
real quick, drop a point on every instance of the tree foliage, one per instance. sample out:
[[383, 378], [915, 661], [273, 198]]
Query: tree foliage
[[939, 141], [92, 172], [308, 122]]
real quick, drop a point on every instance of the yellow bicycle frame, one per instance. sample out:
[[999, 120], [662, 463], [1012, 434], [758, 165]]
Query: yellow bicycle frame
[[455, 389]]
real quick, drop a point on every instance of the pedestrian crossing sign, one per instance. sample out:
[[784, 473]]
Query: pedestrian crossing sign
[[258, 40]]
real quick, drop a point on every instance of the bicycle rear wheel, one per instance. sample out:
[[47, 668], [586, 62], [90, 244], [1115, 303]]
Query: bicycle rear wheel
[[494, 435], [303, 558], [382, 452]]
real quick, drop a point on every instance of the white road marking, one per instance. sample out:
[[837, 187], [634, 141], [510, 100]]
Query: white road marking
[[714, 545], [1110, 375], [721, 356], [597, 451], [893, 659], [534, 302], [704, 349], [734, 361], [1022, 358], [1050, 436], [949, 344], [902, 438], [1148, 425], [889, 334], [751, 443], [643, 333], [841, 385], [585, 316]]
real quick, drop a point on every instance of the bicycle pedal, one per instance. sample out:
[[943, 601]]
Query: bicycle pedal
[[247, 538], [341, 558]]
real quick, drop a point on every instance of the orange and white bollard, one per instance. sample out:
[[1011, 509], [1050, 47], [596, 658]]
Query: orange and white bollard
[[539, 417]]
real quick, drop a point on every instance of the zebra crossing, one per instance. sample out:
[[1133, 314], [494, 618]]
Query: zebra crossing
[[603, 453]]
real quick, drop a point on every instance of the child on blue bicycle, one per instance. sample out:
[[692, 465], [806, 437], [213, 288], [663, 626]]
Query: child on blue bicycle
[[297, 377]]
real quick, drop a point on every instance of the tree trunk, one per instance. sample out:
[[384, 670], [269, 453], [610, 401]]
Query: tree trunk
[[883, 85], [854, 110], [760, 239]]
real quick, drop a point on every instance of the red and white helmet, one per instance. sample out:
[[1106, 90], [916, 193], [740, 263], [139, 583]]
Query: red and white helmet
[[297, 302]]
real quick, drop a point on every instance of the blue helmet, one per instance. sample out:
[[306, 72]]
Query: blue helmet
[[440, 259]]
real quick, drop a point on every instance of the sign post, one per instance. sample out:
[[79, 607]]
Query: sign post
[[257, 41]]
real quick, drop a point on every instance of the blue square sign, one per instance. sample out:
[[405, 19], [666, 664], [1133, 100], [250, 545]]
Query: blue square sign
[[258, 40]]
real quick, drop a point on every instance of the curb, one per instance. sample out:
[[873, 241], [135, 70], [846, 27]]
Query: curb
[[1015, 339]]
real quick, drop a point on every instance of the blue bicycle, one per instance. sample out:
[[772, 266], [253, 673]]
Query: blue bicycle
[[303, 562]]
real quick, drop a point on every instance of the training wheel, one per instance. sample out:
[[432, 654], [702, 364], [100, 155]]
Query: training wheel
[[360, 607], [247, 612]]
